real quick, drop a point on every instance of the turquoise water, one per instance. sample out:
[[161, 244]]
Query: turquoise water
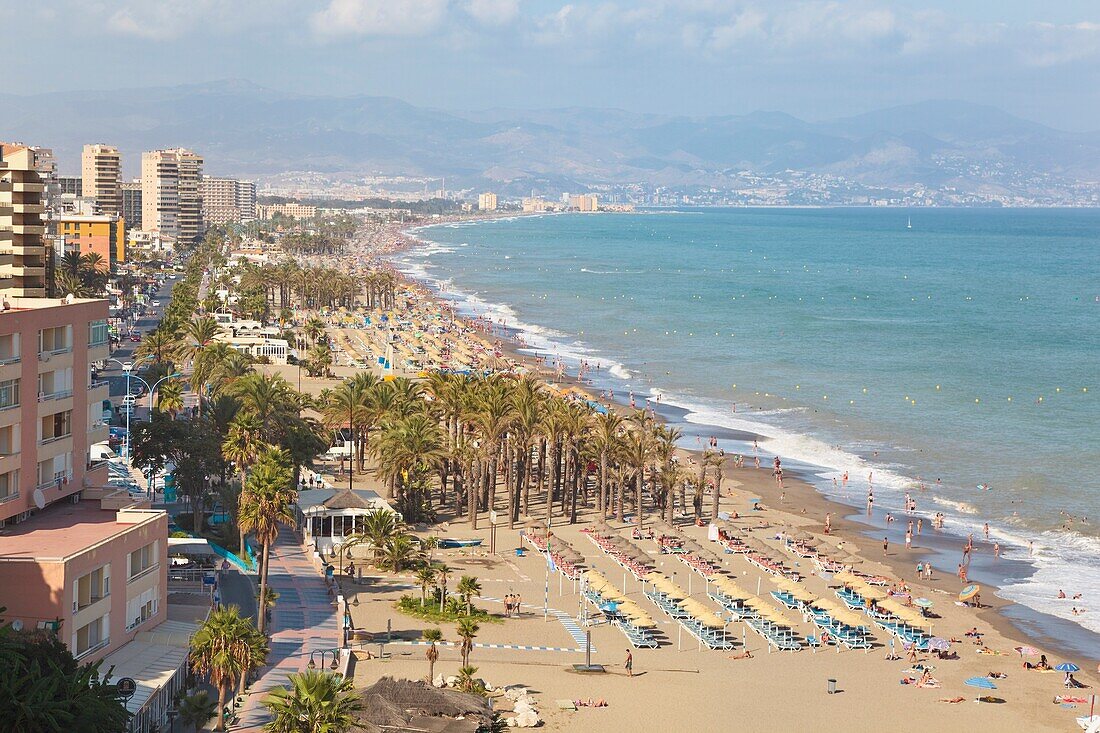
[[965, 349]]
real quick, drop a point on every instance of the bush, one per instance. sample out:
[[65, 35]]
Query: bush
[[453, 610]]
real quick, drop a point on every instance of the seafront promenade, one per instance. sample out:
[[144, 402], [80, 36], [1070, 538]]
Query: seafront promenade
[[304, 620]]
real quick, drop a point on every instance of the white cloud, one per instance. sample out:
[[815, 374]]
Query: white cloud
[[379, 17], [1054, 45], [493, 12], [168, 19]]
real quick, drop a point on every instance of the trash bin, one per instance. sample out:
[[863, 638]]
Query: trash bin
[[519, 552], [832, 686]]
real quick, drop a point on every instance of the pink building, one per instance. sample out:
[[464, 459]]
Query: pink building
[[101, 572], [50, 410]]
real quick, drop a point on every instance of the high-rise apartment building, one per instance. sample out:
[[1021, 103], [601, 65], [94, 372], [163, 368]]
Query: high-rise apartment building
[[23, 251], [227, 200], [131, 203], [246, 200], [487, 202], [171, 202], [584, 202], [101, 177], [291, 210]]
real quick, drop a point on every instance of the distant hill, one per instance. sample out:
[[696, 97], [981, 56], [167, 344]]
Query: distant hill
[[245, 129]]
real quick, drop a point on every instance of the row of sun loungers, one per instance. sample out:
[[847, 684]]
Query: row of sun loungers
[[695, 618], [620, 611]]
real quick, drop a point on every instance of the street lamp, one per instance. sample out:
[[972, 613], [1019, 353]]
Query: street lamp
[[152, 389], [128, 368], [335, 665]]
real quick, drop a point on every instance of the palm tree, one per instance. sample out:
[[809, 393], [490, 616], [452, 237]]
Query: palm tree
[[316, 702], [529, 409], [607, 441], [467, 588], [467, 682], [467, 631], [398, 552], [269, 399], [636, 452], [717, 460], [170, 397], [224, 647], [425, 576], [433, 636], [265, 504], [379, 526], [407, 447], [442, 572], [195, 710], [314, 328], [242, 446]]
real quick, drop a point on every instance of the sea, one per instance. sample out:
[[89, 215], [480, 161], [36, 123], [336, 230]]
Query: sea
[[951, 355]]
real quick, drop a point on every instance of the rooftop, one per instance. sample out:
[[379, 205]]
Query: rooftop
[[63, 530], [30, 304]]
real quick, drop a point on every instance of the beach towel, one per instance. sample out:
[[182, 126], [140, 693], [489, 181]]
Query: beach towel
[[565, 705]]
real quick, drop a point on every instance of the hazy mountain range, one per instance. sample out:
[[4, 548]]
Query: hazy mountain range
[[243, 129]]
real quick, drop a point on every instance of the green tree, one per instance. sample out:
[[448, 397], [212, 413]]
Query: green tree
[[467, 631], [224, 648], [315, 702], [195, 710], [265, 504], [433, 636], [425, 576], [467, 588], [44, 689]]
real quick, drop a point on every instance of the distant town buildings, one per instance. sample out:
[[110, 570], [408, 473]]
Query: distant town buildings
[[71, 185], [171, 202], [23, 252], [487, 202], [534, 205], [153, 244], [292, 210], [583, 202], [101, 177], [227, 200]]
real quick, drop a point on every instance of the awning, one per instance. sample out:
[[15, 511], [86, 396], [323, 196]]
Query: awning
[[151, 660]]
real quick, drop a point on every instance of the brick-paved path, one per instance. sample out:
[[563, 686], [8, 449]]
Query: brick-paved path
[[304, 620]]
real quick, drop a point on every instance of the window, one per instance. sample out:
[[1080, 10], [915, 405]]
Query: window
[[97, 333], [57, 426], [9, 485], [9, 348], [141, 608], [9, 440], [91, 636], [9, 393], [92, 587], [55, 340], [142, 560]]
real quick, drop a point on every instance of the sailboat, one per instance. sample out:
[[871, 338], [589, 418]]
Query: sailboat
[[909, 223]]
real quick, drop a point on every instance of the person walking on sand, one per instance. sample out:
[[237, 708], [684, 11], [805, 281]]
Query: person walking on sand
[[885, 545], [908, 539], [629, 664]]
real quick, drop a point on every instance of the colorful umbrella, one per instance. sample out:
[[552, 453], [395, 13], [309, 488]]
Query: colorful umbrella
[[923, 603], [1027, 651], [983, 682], [969, 592], [1068, 667]]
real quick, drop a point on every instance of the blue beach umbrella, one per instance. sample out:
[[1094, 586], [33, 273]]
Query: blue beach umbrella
[[983, 683], [1068, 667]]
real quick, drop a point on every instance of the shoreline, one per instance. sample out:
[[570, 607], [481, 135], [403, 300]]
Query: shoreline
[[1012, 619]]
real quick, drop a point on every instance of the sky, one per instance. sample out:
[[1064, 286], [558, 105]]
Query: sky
[[816, 59]]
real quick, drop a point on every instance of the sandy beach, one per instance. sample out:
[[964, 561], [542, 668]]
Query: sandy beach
[[680, 685]]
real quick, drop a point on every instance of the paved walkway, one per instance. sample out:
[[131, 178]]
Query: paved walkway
[[304, 620]]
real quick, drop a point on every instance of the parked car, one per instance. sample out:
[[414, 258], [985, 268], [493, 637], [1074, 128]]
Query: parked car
[[135, 337]]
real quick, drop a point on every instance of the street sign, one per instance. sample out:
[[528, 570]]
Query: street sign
[[492, 516], [126, 687]]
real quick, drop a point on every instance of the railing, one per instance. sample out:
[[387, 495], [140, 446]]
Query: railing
[[58, 395], [100, 383], [54, 439], [93, 465], [91, 601], [94, 648], [45, 354], [10, 497], [142, 573], [12, 406], [55, 481], [11, 360]]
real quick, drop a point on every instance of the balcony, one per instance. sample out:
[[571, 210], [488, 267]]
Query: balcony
[[10, 360], [45, 354], [54, 439], [28, 208], [142, 573], [36, 229], [94, 648], [58, 395], [10, 497], [27, 187], [98, 433]]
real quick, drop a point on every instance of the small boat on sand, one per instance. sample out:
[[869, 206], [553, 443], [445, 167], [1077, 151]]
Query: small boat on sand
[[451, 543]]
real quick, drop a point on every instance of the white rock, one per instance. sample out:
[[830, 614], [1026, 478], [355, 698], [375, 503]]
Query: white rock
[[510, 722], [514, 692], [452, 681], [529, 719], [439, 681]]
